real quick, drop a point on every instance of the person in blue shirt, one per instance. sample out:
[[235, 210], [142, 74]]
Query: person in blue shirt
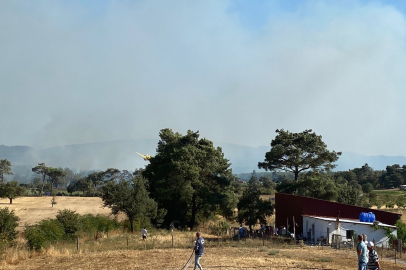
[[199, 249], [241, 232], [362, 252]]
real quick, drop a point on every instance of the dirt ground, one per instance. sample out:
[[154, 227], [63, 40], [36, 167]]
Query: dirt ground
[[214, 258], [33, 209]]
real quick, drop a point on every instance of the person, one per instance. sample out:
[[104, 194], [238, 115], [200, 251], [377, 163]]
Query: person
[[276, 231], [283, 231], [240, 232], [364, 238], [144, 234], [362, 252], [309, 235], [373, 260], [199, 249]]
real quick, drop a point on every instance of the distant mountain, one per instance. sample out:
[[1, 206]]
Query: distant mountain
[[122, 155]]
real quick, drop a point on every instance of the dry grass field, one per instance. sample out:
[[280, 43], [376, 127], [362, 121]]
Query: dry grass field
[[33, 209], [227, 258]]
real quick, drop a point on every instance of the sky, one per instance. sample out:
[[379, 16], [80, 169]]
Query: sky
[[76, 72]]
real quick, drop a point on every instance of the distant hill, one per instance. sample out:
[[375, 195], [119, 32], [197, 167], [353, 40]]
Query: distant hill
[[122, 155]]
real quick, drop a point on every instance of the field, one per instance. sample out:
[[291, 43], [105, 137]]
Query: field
[[225, 258], [127, 251], [33, 209]]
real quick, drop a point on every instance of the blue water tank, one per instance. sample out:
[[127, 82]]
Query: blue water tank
[[363, 217], [372, 217]]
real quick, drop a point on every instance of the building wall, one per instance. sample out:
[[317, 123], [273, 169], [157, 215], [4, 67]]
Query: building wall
[[321, 228]]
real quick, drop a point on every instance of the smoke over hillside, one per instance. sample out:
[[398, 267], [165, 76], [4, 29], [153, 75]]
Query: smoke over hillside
[[122, 155]]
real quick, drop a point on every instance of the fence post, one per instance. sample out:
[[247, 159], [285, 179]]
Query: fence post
[[172, 240], [127, 241], [395, 255], [77, 243], [263, 242], [382, 251]]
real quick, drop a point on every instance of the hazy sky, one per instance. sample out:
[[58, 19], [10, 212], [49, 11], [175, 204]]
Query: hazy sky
[[89, 71]]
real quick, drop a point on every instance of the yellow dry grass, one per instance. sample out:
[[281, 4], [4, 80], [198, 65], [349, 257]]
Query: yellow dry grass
[[228, 258], [33, 209]]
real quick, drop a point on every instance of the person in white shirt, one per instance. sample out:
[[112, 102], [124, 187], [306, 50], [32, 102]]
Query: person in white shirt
[[144, 234]]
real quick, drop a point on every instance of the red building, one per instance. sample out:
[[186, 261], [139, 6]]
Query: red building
[[288, 206]]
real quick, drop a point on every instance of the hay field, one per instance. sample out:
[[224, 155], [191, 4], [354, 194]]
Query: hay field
[[226, 258], [33, 209]]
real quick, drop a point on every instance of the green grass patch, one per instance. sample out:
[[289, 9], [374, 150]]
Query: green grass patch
[[390, 192], [273, 252], [327, 259]]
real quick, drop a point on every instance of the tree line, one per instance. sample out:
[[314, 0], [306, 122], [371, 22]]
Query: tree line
[[189, 180]]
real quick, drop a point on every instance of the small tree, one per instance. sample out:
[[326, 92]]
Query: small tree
[[55, 176], [8, 224], [298, 152], [71, 188], [53, 201], [42, 170], [130, 198], [5, 169], [251, 208], [11, 190]]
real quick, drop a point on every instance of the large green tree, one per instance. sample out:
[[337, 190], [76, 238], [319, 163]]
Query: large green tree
[[42, 170], [298, 152], [190, 178], [251, 208], [319, 186], [130, 198], [5, 169], [11, 190], [55, 176]]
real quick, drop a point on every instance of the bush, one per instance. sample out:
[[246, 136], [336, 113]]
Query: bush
[[44, 233], [91, 224], [220, 228], [36, 238], [125, 224], [70, 221], [8, 225], [53, 229]]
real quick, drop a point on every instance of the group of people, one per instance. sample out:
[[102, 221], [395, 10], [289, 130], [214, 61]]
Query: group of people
[[367, 256]]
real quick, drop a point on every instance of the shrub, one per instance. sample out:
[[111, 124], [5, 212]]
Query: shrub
[[220, 228], [8, 225], [70, 221], [125, 224], [53, 229], [43, 233], [36, 238], [91, 224], [273, 252]]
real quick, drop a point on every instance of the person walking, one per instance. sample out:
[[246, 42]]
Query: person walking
[[199, 249], [373, 260], [362, 252], [144, 234]]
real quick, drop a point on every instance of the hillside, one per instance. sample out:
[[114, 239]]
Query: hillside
[[122, 155]]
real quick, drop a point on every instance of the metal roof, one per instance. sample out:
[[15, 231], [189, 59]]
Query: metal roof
[[289, 207], [354, 222]]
